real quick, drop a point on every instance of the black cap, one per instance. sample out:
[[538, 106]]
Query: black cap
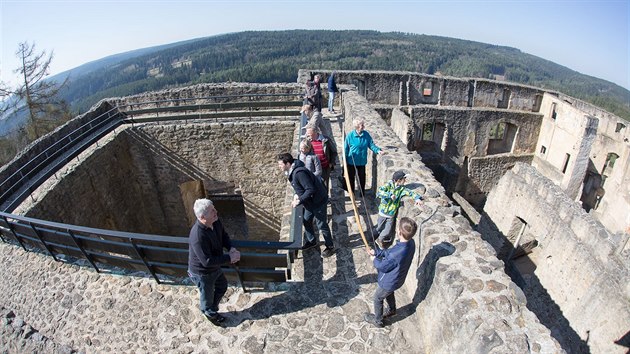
[[398, 175]]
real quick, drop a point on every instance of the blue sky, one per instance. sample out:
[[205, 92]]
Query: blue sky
[[591, 37]]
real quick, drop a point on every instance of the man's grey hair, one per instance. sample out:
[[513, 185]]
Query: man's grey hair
[[201, 207], [357, 121], [313, 127]]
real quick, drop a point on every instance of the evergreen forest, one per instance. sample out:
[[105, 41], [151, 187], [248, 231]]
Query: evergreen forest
[[276, 56]]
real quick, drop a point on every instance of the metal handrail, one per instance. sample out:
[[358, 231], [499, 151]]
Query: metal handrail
[[300, 95], [56, 150], [102, 236]]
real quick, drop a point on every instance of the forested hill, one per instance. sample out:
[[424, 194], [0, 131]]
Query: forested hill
[[276, 56]]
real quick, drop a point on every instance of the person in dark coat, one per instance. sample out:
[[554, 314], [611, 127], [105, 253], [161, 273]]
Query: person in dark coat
[[310, 193], [392, 265], [207, 240]]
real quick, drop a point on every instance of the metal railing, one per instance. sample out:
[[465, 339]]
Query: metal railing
[[32, 174], [155, 254]]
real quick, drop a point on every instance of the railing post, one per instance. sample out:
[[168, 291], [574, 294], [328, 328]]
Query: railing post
[[76, 242], [13, 232], [39, 236], [141, 256], [240, 278]]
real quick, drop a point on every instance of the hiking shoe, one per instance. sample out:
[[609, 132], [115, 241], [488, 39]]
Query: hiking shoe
[[389, 313], [369, 318], [379, 243], [215, 319], [329, 251], [309, 245]]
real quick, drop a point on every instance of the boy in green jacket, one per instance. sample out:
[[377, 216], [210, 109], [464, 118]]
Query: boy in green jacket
[[391, 195]]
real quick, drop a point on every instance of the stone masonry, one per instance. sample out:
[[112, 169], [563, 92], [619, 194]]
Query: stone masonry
[[456, 299]]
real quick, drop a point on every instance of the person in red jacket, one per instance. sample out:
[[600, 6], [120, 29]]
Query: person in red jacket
[[392, 265]]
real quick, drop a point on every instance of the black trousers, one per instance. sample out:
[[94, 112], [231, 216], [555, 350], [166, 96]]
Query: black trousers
[[360, 171]]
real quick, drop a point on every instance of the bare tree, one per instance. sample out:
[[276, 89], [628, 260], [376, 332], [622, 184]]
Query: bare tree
[[39, 95]]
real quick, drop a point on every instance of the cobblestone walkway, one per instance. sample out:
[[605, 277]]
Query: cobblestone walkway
[[320, 312]]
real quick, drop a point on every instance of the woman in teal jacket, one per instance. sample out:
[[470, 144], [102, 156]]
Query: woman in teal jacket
[[355, 147]]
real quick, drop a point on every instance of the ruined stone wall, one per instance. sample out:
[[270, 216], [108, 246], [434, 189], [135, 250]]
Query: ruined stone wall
[[578, 263], [107, 187], [34, 152], [385, 87], [402, 126], [201, 92], [239, 154], [570, 132], [469, 129], [465, 300], [130, 180], [485, 172], [491, 94]]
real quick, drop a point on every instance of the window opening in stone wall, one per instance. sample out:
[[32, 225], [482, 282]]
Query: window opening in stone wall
[[565, 164], [501, 138], [611, 158], [427, 131], [471, 92], [537, 103], [427, 88], [505, 100], [543, 149], [619, 127], [553, 111], [515, 235], [497, 132]]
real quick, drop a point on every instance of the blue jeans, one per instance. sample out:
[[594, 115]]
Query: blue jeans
[[331, 100], [212, 287], [380, 295], [319, 214]]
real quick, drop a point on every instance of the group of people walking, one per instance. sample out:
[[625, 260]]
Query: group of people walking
[[309, 175]]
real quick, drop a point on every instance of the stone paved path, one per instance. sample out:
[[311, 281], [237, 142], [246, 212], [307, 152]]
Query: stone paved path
[[321, 312]]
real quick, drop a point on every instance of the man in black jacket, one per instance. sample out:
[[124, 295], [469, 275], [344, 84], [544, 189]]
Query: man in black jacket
[[309, 192], [207, 240]]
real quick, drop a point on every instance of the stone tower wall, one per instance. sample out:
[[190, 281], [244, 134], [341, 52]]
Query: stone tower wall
[[584, 269], [466, 301]]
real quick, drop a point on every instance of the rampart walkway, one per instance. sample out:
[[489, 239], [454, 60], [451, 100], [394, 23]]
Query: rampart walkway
[[112, 313]]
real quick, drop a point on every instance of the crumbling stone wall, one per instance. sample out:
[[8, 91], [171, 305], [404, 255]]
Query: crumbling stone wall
[[583, 268], [130, 180], [408, 88], [465, 300]]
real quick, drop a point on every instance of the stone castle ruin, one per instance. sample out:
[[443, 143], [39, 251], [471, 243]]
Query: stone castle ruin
[[523, 244]]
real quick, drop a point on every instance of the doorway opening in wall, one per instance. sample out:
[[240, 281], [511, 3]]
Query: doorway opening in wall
[[429, 144], [360, 84], [554, 114]]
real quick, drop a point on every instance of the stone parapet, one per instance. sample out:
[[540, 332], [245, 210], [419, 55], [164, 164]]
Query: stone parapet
[[465, 300], [579, 266]]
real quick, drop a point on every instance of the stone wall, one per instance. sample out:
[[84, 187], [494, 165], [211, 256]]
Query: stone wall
[[220, 92], [465, 301], [34, 153], [484, 173], [408, 88], [130, 180], [579, 266]]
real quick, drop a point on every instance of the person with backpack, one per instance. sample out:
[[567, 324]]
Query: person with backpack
[[310, 193]]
